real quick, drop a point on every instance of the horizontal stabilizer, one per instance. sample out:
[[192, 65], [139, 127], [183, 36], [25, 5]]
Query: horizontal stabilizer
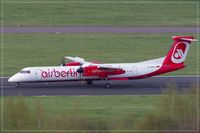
[[184, 38]]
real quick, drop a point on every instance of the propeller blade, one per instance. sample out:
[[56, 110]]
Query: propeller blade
[[80, 70], [62, 61]]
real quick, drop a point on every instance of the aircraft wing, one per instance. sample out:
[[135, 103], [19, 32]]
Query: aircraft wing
[[78, 59], [86, 63]]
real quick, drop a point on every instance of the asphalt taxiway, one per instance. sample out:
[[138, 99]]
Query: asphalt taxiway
[[149, 86]]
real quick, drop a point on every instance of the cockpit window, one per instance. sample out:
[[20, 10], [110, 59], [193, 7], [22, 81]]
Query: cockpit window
[[24, 71]]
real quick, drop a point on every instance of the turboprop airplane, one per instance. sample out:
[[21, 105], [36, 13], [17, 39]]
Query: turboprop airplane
[[80, 69]]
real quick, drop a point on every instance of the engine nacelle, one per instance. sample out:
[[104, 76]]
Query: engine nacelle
[[73, 64], [100, 72]]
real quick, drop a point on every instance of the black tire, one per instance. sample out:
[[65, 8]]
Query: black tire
[[18, 85], [89, 82]]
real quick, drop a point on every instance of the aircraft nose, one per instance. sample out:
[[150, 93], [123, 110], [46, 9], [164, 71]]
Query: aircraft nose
[[13, 78]]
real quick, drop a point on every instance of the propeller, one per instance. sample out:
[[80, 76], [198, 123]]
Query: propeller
[[80, 69], [62, 61]]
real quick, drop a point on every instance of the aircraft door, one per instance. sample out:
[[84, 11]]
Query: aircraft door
[[37, 74]]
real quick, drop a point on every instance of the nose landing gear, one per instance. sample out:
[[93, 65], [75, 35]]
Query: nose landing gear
[[19, 85], [107, 83]]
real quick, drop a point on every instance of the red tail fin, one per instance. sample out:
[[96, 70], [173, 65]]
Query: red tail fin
[[178, 52], [175, 58]]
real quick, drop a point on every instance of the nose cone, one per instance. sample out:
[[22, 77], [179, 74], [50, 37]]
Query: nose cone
[[13, 78]]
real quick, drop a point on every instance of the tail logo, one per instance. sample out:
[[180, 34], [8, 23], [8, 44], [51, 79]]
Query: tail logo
[[180, 52]]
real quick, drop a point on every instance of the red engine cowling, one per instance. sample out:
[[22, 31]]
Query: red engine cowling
[[95, 71], [73, 64]]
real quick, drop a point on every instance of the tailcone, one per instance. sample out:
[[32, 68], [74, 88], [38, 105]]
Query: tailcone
[[170, 68]]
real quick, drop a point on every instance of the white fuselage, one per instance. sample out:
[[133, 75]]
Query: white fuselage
[[65, 73]]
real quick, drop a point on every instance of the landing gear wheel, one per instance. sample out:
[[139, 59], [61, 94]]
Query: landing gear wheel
[[18, 85], [89, 82], [107, 85]]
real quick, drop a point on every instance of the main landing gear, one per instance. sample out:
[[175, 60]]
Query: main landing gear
[[107, 84], [18, 85], [89, 82]]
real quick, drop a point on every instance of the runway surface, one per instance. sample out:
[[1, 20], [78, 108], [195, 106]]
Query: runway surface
[[97, 29], [149, 86]]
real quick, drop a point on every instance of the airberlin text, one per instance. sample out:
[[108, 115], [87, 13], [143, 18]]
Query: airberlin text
[[59, 74]]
